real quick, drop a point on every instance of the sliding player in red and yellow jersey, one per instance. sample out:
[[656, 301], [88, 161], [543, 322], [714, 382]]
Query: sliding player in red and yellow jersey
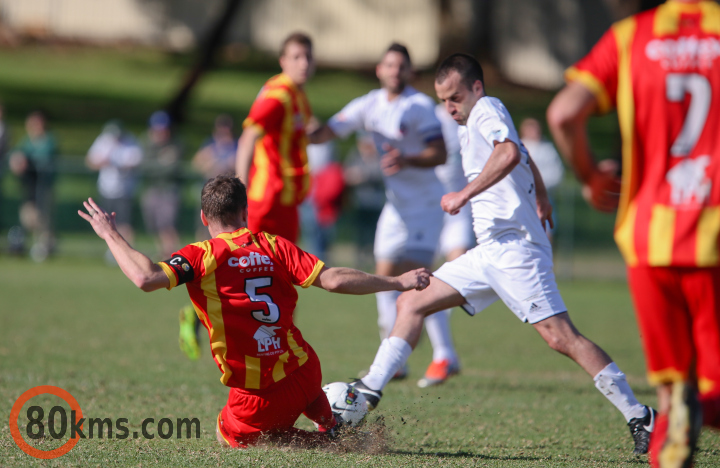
[[661, 70], [242, 286], [271, 151]]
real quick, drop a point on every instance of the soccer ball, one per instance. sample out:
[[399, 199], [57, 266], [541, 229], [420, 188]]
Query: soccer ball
[[347, 404]]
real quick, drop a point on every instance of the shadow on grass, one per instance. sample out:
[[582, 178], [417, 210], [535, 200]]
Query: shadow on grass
[[463, 454]]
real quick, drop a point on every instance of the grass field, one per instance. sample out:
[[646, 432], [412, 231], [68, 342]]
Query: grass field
[[82, 326]]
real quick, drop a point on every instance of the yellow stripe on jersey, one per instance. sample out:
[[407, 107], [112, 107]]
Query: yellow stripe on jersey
[[279, 368], [214, 311], [661, 233], [297, 350], [625, 223], [316, 271], [252, 372], [710, 23], [272, 241], [228, 238], [708, 233], [667, 17], [594, 85], [625, 236], [259, 182], [170, 274], [287, 195]]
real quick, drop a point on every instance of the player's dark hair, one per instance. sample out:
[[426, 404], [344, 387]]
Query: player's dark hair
[[223, 197], [296, 38], [467, 67], [401, 49]]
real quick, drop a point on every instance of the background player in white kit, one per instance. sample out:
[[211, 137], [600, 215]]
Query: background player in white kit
[[513, 259], [408, 136]]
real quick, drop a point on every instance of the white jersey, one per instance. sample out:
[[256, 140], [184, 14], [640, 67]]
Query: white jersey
[[509, 205], [451, 173], [407, 123]]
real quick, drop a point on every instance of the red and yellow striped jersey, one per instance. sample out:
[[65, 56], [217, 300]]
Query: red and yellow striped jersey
[[661, 70], [279, 174], [242, 287]]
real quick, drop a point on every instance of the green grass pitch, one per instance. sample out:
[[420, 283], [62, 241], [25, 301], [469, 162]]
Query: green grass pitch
[[82, 326]]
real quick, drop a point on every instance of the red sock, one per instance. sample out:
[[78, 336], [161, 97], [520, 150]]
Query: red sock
[[657, 439], [711, 409], [320, 412]]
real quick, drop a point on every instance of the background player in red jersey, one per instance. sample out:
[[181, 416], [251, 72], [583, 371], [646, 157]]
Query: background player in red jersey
[[271, 156], [242, 285], [661, 70]]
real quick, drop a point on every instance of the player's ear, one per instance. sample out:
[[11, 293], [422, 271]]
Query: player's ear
[[244, 216], [478, 89], [203, 218]]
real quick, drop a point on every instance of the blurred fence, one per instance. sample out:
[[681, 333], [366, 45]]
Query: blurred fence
[[578, 228]]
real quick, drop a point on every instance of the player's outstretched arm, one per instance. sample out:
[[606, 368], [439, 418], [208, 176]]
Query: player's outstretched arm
[[544, 208], [502, 161], [567, 118], [245, 152], [321, 135], [137, 267], [433, 155], [350, 281]]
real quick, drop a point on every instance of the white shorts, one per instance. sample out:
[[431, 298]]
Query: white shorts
[[508, 268], [400, 237], [457, 232]]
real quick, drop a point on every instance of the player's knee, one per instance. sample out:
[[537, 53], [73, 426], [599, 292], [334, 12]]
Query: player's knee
[[406, 304], [557, 342]]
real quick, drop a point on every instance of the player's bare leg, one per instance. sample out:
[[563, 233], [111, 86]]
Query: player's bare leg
[[562, 336], [413, 307], [387, 310]]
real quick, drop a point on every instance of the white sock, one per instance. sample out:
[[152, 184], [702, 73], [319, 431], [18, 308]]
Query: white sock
[[612, 383], [391, 355], [387, 311], [438, 330]]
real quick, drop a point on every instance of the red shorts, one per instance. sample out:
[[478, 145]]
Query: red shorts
[[250, 414], [678, 310], [283, 221]]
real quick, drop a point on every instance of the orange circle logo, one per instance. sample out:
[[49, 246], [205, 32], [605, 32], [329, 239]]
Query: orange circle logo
[[15, 430]]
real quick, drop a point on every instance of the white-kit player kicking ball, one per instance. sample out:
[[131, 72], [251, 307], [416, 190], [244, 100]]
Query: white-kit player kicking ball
[[408, 136], [513, 258]]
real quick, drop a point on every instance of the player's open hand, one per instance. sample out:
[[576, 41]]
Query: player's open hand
[[416, 279], [101, 221], [602, 189], [452, 202], [544, 209], [392, 161]]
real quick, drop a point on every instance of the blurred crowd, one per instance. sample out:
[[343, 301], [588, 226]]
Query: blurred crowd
[[147, 172]]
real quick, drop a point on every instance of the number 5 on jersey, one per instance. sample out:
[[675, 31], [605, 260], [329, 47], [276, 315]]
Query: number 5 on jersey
[[251, 286]]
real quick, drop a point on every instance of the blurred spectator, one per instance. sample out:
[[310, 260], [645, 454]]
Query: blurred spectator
[[546, 158], [33, 161], [364, 174], [4, 145], [217, 154], [161, 171], [116, 155], [320, 211], [4, 138]]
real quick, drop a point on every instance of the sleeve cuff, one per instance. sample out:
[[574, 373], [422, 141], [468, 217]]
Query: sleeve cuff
[[170, 274], [251, 123], [316, 271], [594, 85]]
